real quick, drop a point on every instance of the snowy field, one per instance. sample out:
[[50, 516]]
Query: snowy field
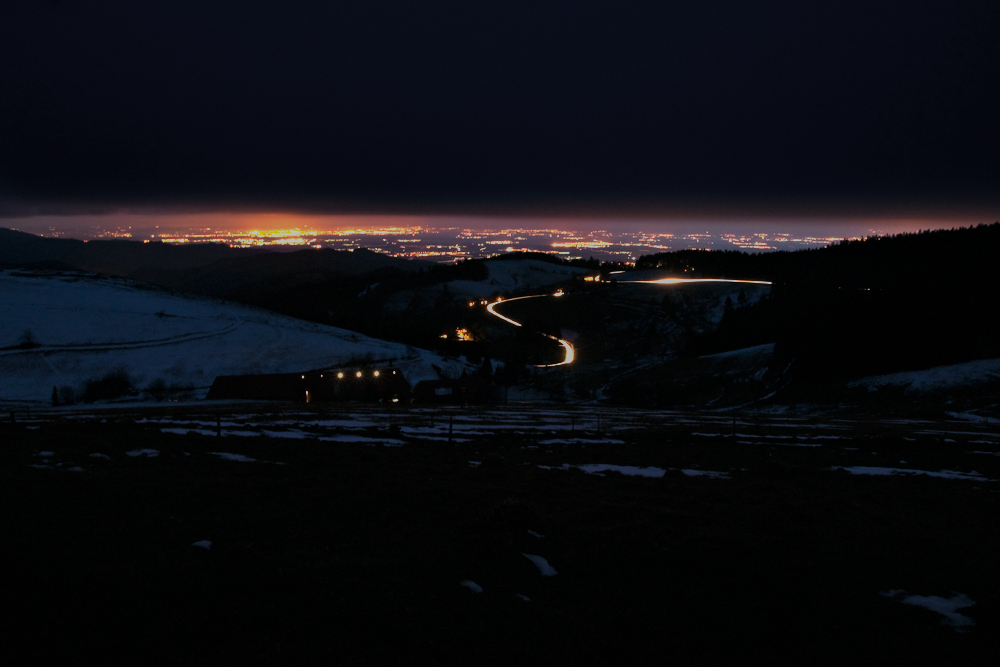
[[624, 441], [86, 326], [576, 530]]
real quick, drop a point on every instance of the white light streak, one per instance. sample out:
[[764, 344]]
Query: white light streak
[[570, 352], [674, 281]]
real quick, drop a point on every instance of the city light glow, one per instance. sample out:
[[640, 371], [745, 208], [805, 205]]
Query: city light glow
[[451, 239]]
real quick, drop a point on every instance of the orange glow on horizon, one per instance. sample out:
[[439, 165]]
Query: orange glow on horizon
[[451, 238]]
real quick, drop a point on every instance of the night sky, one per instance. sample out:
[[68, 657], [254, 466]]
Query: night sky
[[483, 107]]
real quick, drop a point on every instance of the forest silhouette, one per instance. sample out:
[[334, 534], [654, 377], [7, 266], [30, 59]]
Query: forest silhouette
[[874, 305]]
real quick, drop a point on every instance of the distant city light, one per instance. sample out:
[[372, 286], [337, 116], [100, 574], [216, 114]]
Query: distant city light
[[448, 242]]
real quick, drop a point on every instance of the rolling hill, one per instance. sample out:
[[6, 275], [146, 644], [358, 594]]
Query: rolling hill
[[65, 329]]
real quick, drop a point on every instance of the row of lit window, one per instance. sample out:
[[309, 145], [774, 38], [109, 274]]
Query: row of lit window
[[358, 374]]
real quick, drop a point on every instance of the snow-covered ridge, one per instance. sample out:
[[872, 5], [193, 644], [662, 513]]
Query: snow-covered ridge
[[85, 326]]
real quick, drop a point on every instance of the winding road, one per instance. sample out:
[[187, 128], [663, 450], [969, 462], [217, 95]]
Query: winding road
[[570, 353], [567, 346]]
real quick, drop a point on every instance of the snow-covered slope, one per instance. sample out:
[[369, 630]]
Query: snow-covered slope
[[87, 326], [940, 377], [515, 274]]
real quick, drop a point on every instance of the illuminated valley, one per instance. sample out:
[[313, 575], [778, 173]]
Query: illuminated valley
[[616, 243]]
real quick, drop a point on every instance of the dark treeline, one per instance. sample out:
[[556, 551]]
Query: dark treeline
[[877, 305], [111, 256], [876, 261]]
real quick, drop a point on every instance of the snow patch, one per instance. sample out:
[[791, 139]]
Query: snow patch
[[635, 471], [967, 416], [782, 444], [295, 434], [756, 350], [578, 441], [362, 439], [147, 453], [632, 471], [185, 431], [946, 474], [543, 566], [704, 473], [233, 457], [947, 607], [472, 586]]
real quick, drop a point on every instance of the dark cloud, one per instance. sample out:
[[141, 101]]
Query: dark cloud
[[407, 105]]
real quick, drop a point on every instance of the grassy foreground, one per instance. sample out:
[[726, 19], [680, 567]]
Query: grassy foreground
[[356, 552]]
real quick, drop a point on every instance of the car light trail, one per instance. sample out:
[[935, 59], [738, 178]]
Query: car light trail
[[674, 281], [570, 353], [505, 319]]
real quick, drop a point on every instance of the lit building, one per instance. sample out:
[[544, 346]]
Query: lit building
[[335, 384]]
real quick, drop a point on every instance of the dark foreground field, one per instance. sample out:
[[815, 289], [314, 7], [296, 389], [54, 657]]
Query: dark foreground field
[[349, 549]]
